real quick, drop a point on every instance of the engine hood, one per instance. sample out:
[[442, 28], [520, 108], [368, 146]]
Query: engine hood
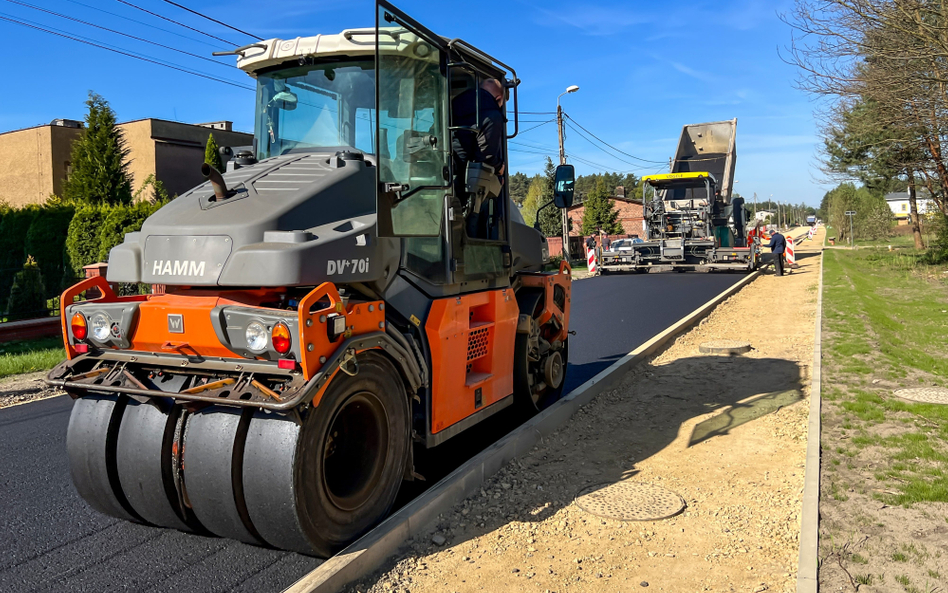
[[297, 219]]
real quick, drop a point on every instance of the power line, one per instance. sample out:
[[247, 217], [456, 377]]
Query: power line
[[213, 20], [126, 53], [621, 160], [164, 18], [537, 126], [143, 40], [537, 112], [611, 146], [157, 28]]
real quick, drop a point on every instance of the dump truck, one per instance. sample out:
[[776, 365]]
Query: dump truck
[[690, 219], [328, 310]]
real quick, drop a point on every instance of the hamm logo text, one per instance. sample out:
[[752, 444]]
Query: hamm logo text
[[177, 267]]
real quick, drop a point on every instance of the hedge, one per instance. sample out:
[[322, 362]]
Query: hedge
[[62, 237], [46, 242]]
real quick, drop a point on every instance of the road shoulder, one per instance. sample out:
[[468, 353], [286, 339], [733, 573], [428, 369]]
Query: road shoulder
[[728, 434]]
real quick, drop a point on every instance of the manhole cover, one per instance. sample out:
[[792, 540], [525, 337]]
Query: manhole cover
[[926, 395], [724, 347], [630, 501]]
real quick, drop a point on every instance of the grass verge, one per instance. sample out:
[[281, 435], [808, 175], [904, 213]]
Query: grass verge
[[27, 357], [884, 459]]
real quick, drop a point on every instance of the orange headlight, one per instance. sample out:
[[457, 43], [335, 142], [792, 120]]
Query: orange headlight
[[280, 338], [79, 327]]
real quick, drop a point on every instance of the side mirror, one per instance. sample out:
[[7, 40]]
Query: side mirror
[[563, 186]]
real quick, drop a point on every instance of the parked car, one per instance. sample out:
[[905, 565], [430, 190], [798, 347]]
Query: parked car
[[624, 244]]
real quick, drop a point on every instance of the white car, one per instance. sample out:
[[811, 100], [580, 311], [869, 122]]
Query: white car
[[624, 244]]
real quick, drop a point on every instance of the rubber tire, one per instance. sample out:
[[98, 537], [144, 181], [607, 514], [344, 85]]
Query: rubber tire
[[143, 458], [90, 445], [284, 470], [213, 458], [522, 396]]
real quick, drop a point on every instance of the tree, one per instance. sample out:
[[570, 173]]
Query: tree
[[212, 155], [28, 295], [551, 219], [519, 184], [600, 212], [99, 167], [533, 200]]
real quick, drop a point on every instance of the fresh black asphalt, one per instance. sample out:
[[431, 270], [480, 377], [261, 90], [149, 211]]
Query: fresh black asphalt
[[52, 541]]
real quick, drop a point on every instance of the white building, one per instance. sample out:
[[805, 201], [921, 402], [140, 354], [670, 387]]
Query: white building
[[899, 204]]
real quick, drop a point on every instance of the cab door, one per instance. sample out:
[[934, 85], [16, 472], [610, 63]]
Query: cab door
[[414, 144]]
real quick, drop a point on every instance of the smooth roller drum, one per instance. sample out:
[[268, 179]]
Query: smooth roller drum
[[90, 444], [143, 458], [213, 454]]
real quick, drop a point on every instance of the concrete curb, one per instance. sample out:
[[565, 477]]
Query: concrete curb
[[808, 563], [416, 518]]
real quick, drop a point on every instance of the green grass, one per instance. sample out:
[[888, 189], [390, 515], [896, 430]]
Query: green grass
[[28, 357], [885, 319]]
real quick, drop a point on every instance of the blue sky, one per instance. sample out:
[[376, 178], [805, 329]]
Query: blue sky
[[644, 70]]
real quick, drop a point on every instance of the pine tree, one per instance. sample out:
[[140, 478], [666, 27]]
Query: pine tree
[[28, 295], [599, 211], [212, 155], [551, 219], [99, 167]]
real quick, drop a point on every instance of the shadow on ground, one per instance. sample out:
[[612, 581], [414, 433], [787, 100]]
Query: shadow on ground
[[602, 443]]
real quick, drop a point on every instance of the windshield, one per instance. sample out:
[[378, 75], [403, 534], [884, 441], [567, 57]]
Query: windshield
[[316, 106]]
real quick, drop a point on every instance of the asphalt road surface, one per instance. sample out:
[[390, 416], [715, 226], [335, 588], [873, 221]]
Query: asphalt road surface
[[52, 541]]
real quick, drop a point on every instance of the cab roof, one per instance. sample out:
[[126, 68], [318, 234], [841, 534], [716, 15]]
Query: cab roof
[[668, 178]]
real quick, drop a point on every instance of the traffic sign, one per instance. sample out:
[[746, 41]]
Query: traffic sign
[[850, 213]]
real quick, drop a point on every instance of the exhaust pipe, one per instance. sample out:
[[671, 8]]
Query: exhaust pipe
[[217, 181]]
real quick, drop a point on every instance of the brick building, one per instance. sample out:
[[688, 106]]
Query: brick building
[[630, 215], [37, 160]]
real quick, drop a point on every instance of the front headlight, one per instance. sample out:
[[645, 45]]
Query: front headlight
[[101, 327], [257, 336]]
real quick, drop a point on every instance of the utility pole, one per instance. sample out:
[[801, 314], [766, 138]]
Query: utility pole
[[559, 126]]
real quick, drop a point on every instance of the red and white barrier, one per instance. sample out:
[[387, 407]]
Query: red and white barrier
[[591, 260], [789, 254], [811, 233]]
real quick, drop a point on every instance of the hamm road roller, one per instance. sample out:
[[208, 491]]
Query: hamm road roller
[[349, 290]]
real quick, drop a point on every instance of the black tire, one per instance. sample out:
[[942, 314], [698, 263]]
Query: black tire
[[530, 403], [213, 458], [317, 486], [90, 445], [143, 459]]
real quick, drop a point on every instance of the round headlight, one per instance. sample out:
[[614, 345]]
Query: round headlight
[[257, 336], [101, 327]]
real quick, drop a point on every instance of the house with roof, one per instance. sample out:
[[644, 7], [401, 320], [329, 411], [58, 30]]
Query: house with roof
[[899, 204]]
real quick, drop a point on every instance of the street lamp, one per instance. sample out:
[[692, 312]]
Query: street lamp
[[559, 124], [559, 119]]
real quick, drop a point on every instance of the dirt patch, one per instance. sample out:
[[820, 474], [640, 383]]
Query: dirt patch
[[20, 389], [727, 434]]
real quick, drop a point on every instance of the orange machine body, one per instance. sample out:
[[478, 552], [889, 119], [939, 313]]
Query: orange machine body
[[471, 338], [198, 338]]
